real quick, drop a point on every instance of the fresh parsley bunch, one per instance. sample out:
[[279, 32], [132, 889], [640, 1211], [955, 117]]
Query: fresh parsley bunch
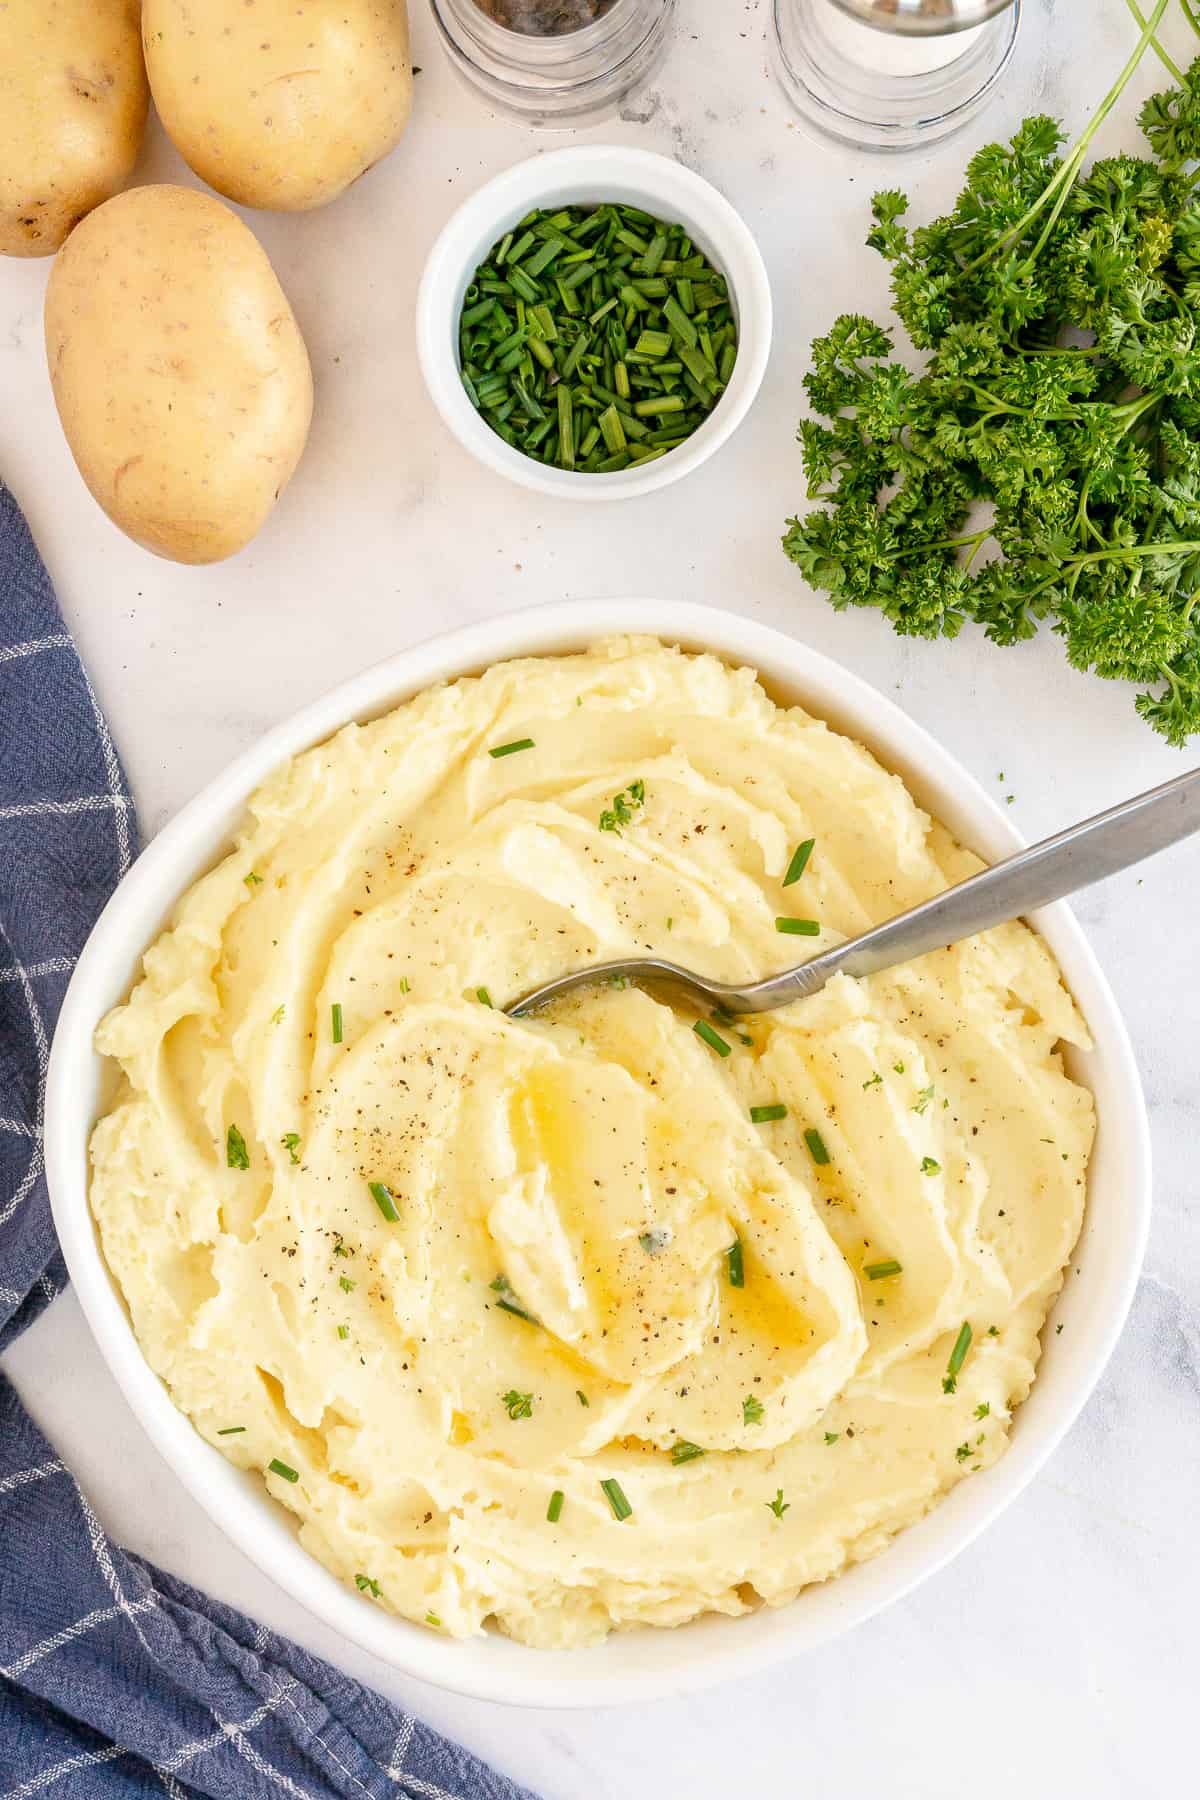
[[1045, 462]]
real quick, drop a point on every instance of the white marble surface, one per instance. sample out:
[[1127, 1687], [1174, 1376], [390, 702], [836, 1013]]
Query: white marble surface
[[1056, 1657]]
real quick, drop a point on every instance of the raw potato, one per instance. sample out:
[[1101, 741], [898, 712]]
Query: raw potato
[[179, 371], [282, 103], [72, 109]]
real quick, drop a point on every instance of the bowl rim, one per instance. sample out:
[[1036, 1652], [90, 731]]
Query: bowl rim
[[647, 1663], [678, 192]]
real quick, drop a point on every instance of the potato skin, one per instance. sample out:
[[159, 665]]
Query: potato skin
[[284, 103], [73, 100], [178, 369]]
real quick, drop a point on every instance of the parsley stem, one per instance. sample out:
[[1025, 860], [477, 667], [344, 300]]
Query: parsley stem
[[1172, 67]]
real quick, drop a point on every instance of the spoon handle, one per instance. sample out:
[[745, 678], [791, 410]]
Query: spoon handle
[[1059, 865]]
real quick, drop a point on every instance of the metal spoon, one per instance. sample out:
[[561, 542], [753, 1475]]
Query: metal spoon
[[1059, 865]]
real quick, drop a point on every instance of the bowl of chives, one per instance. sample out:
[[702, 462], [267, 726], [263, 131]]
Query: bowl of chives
[[557, 349]]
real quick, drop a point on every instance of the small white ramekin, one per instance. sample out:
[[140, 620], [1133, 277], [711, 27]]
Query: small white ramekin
[[590, 174], [631, 1665]]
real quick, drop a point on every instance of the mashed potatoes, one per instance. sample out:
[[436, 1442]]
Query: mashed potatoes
[[534, 1322]]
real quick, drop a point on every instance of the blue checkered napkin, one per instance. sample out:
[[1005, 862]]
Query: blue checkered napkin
[[115, 1679]]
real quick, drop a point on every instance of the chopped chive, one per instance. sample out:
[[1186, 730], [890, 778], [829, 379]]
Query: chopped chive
[[712, 1038], [682, 1451], [799, 862], [778, 1505], [343, 1332], [236, 1154], [831, 1437], [582, 1397], [736, 1264], [616, 1498], [798, 927], [252, 880], [431, 1618], [291, 1143], [337, 1021], [554, 1510], [367, 1585], [881, 1270], [507, 1301], [816, 1146], [230, 1430], [763, 1115], [510, 749], [958, 1357], [929, 1167], [277, 1015], [347, 1286], [282, 1469], [483, 997], [517, 1405], [384, 1201]]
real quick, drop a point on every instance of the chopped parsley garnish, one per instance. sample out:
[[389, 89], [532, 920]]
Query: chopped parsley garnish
[[511, 749], [831, 1437], [554, 1510], [383, 1200], [615, 1496], [483, 997], [752, 1410], [291, 1143], [736, 1264], [816, 1146], [236, 1154], [778, 1505], [366, 1584], [431, 1618], [230, 1430], [876, 1080], [799, 862], [763, 1115], [655, 1240], [339, 1249], [682, 1451], [712, 1038], [282, 1469], [582, 1397], [923, 1098], [347, 1286], [881, 1270], [993, 1331], [963, 1451], [958, 1357], [508, 1302], [798, 927], [336, 1017], [929, 1167], [517, 1405], [982, 1410], [623, 807], [252, 880], [343, 1332], [277, 1015]]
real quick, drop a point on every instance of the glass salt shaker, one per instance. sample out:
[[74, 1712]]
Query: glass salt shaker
[[891, 74], [554, 62]]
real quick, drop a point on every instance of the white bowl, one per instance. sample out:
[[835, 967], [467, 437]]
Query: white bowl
[[589, 174], [640, 1664]]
